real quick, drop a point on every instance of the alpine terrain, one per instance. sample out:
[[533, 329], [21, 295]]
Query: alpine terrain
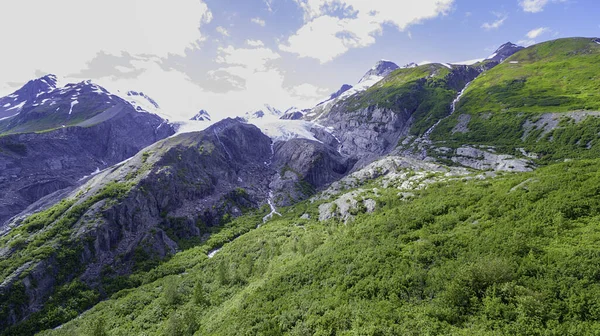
[[426, 199]]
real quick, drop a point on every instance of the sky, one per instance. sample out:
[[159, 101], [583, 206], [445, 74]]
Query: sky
[[232, 56]]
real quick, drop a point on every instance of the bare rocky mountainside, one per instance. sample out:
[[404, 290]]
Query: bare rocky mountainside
[[99, 194]]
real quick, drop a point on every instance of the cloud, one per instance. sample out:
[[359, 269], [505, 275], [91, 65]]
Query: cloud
[[495, 24], [258, 80], [534, 33], [259, 21], [255, 43], [535, 6], [327, 34], [55, 40], [221, 30], [526, 43]]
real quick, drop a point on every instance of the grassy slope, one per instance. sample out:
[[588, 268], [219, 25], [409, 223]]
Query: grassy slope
[[423, 90], [515, 255], [555, 76]]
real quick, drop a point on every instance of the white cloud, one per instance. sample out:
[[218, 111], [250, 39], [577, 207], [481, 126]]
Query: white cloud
[[259, 21], [534, 33], [526, 42], [255, 43], [262, 82], [325, 36], [495, 24], [62, 37], [221, 30], [535, 6]]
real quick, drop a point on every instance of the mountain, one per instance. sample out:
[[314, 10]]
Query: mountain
[[201, 116], [541, 99], [62, 134], [338, 93], [445, 199], [142, 102], [14, 103], [294, 113], [167, 197], [504, 51], [380, 69], [371, 77], [265, 112]]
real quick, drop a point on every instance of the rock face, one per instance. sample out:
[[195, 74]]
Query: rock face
[[97, 132], [304, 166], [174, 191]]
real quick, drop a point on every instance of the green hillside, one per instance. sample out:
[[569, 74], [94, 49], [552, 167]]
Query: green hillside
[[560, 76], [512, 255], [427, 91]]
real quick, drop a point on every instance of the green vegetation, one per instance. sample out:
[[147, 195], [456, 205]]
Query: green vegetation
[[556, 76], [423, 90], [513, 255], [48, 237]]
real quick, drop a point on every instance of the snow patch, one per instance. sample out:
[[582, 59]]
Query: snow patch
[[17, 107], [6, 105], [447, 65], [514, 62], [470, 62], [73, 103]]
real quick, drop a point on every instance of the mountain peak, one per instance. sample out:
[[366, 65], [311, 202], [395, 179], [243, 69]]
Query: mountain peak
[[264, 112], [380, 69], [504, 51], [202, 115]]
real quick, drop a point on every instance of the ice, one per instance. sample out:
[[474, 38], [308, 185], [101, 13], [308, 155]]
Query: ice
[[283, 130]]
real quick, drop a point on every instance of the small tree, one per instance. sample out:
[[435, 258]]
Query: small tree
[[170, 292], [199, 296], [97, 328]]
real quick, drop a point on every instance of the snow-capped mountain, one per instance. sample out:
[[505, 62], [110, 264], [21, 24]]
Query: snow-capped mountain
[[338, 93], [202, 115], [294, 113], [142, 103], [372, 77], [265, 112], [13, 104], [378, 71], [505, 51]]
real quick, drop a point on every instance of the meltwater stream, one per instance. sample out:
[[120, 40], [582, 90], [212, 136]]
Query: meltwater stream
[[452, 110]]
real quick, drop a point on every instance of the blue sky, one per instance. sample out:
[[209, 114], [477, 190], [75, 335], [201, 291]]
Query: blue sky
[[231, 56]]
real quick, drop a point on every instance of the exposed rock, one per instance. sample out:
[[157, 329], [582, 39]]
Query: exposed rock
[[483, 160], [462, 125]]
